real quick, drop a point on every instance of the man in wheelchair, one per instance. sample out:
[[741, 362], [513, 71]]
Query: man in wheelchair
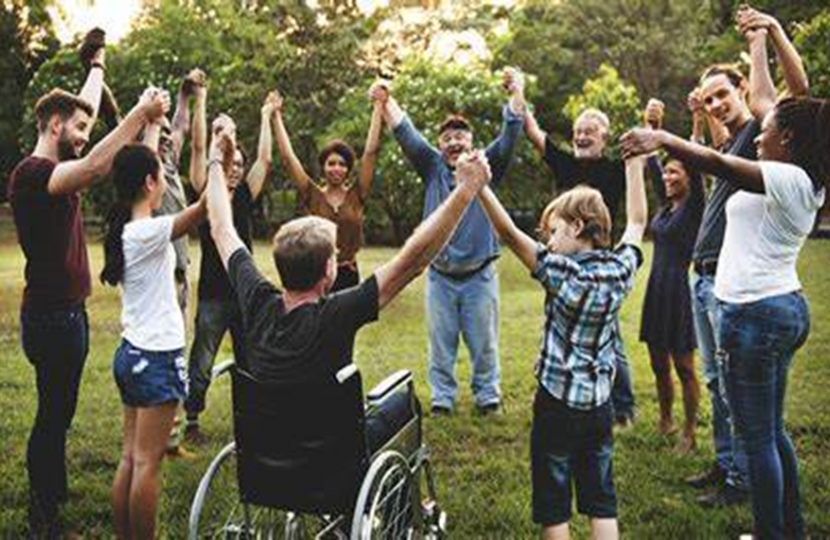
[[300, 339]]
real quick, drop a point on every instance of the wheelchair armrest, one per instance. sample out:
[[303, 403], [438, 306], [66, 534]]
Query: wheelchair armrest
[[388, 386], [221, 368], [345, 373]]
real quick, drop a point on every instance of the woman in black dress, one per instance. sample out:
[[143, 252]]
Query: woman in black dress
[[667, 324]]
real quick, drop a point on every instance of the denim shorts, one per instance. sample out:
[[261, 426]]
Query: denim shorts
[[149, 378], [571, 447]]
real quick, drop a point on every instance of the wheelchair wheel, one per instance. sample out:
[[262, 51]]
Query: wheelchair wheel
[[384, 508]]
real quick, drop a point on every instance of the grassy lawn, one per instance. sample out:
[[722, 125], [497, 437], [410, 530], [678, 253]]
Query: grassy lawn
[[481, 465]]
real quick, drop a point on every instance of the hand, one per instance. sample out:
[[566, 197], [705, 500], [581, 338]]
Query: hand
[[273, 103], [223, 143], [155, 103], [640, 141], [654, 113], [100, 57], [224, 124], [513, 80], [194, 83], [695, 102], [473, 170], [749, 19], [379, 92]]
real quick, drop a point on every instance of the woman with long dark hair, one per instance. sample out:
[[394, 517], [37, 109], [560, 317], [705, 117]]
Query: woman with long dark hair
[[765, 317], [149, 368], [336, 197]]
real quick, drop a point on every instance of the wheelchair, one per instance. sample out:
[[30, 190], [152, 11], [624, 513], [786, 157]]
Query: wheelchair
[[300, 465]]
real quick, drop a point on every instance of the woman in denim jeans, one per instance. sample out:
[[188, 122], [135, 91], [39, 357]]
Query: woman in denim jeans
[[765, 315]]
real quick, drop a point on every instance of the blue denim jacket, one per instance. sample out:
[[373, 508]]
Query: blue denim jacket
[[474, 241]]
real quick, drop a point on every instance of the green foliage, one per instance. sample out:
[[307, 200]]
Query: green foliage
[[813, 41], [429, 92], [610, 94]]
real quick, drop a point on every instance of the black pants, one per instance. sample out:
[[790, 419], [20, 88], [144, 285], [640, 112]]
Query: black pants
[[56, 344]]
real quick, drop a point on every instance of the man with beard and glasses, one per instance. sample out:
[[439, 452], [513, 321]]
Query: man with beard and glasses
[[462, 292], [44, 191]]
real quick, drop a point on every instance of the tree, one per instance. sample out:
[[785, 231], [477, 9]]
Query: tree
[[813, 42]]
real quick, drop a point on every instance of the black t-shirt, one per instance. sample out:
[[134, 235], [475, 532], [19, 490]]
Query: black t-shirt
[[603, 174], [713, 226], [213, 280], [312, 342]]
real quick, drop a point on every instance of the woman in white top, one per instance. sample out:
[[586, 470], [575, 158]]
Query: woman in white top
[[765, 317], [149, 367]]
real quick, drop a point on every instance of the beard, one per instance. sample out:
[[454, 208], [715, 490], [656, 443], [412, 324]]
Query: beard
[[66, 150]]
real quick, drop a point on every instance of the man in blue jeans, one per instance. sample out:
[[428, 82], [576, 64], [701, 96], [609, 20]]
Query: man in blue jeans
[[462, 292]]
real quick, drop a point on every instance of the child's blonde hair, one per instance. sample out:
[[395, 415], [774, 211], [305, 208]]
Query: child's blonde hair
[[585, 204]]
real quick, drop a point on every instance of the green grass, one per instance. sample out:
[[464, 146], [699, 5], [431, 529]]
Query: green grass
[[482, 466]]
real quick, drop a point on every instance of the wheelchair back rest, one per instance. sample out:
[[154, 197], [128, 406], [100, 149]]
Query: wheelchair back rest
[[300, 447]]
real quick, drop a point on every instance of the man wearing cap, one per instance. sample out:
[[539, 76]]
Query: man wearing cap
[[462, 290]]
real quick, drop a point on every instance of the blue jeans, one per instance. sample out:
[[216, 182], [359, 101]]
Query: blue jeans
[[622, 393], [56, 344], [729, 451], [470, 308], [760, 339], [213, 319]]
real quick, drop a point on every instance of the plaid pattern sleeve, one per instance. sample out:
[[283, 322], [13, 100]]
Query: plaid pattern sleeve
[[585, 292]]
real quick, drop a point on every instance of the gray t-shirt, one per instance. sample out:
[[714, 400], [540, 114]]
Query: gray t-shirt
[[174, 201], [713, 226]]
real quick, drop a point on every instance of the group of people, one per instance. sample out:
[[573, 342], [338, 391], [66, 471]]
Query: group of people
[[769, 161]]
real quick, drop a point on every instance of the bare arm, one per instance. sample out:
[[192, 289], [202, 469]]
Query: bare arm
[[220, 214], [371, 151], [636, 203], [94, 85], [289, 159], [745, 174], [76, 175], [519, 243], [762, 92], [392, 113], [262, 165], [536, 135], [152, 135], [189, 217], [180, 125], [198, 143], [431, 236]]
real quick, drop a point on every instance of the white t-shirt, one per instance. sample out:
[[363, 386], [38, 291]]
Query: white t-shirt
[[150, 313], [764, 234]]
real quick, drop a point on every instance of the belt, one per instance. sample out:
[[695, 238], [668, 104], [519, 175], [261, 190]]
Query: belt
[[706, 268], [463, 274]]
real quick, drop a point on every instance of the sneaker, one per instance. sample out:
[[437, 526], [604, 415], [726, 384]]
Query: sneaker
[[724, 496], [489, 409], [713, 477], [440, 410]]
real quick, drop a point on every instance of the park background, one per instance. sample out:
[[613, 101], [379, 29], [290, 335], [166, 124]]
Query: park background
[[442, 56]]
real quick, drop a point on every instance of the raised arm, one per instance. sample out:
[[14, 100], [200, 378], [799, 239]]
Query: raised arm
[[500, 151], [94, 85], [289, 159], [198, 141], [76, 175], [220, 214], [745, 174], [534, 133], [371, 150], [792, 67], [762, 92], [514, 238], [423, 156], [262, 166], [636, 202], [430, 237], [189, 217], [152, 135]]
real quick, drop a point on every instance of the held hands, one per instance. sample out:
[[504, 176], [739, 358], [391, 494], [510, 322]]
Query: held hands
[[155, 103], [473, 171], [273, 103], [513, 81], [640, 141], [695, 102], [379, 92], [654, 113], [194, 83], [754, 24]]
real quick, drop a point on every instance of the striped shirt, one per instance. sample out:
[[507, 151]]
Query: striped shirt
[[582, 341]]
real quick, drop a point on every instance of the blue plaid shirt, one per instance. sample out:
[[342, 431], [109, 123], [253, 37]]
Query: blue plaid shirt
[[582, 341]]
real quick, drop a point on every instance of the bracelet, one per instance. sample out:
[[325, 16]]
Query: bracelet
[[97, 65], [215, 161]]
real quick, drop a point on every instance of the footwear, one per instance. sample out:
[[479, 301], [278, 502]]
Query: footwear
[[489, 409], [713, 477], [724, 496], [440, 410], [624, 422]]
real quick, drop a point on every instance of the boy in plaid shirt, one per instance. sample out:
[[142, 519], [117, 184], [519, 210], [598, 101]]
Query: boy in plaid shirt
[[585, 283]]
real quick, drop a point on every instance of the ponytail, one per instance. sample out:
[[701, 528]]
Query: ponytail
[[130, 169]]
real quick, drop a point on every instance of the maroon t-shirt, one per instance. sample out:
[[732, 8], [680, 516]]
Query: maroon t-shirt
[[50, 230]]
